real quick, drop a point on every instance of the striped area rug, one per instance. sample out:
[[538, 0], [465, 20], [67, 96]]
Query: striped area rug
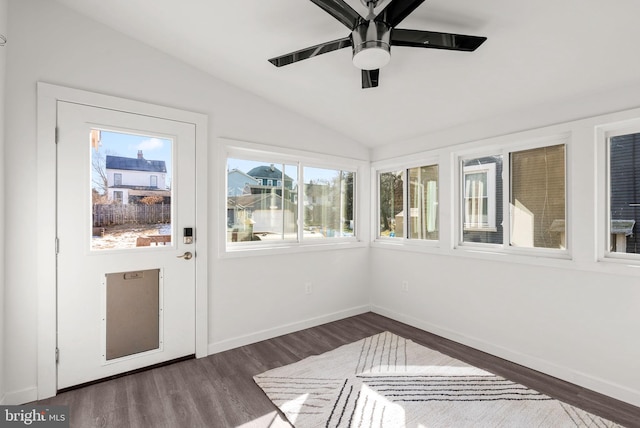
[[388, 381]]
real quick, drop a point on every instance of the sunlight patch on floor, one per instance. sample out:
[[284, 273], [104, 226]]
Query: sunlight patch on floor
[[270, 420]]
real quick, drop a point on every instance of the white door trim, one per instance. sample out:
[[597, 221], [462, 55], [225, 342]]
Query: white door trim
[[48, 96]]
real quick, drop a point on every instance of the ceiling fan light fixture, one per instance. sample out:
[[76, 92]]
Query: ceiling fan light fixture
[[371, 44], [372, 57], [372, 35]]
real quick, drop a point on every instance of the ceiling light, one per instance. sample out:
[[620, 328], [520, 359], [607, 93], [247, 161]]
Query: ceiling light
[[372, 58], [371, 45]]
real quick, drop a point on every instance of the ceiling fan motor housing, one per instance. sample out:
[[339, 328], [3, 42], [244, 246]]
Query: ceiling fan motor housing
[[371, 43]]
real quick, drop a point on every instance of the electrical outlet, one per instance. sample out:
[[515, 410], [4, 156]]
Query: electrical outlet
[[405, 286], [308, 288]]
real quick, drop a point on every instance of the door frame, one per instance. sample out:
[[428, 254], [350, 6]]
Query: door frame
[[48, 96]]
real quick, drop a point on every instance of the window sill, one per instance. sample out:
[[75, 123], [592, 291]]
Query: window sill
[[289, 248], [493, 252], [480, 229]]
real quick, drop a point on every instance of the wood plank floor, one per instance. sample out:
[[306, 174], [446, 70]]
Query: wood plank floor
[[218, 391]]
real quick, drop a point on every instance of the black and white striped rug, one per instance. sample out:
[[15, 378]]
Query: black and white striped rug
[[388, 381]]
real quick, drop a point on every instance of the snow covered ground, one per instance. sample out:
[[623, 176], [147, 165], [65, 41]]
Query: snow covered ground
[[124, 236]]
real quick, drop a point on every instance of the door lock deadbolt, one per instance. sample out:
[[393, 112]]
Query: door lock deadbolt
[[187, 235]]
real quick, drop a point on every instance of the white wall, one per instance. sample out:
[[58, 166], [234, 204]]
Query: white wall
[[249, 297], [3, 62], [576, 319]]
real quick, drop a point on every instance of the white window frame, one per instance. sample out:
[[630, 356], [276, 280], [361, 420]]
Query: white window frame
[[277, 155], [603, 135], [117, 179], [490, 170], [505, 150], [153, 178], [403, 164], [408, 208], [404, 204]]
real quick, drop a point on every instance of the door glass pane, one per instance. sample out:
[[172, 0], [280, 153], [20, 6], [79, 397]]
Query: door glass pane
[[423, 202], [538, 198], [128, 211], [328, 203], [391, 203], [262, 201], [624, 193]]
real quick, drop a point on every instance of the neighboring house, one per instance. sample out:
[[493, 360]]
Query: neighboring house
[[625, 200], [259, 213], [270, 176], [483, 200], [131, 179], [255, 200], [321, 205], [270, 180], [238, 182]]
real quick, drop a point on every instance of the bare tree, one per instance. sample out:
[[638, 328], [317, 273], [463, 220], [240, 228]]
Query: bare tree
[[99, 177]]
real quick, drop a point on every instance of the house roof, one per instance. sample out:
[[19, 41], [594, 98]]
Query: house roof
[[135, 164], [268, 171], [244, 174]]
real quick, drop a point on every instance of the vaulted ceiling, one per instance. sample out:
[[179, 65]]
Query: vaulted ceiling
[[537, 53]]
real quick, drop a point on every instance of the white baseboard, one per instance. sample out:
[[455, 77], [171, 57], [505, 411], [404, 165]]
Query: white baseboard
[[611, 389], [248, 339], [23, 396]]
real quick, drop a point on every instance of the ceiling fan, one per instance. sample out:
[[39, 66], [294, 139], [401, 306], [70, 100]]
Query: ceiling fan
[[371, 37]]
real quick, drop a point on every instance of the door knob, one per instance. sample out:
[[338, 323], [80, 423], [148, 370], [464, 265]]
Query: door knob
[[187, 256]]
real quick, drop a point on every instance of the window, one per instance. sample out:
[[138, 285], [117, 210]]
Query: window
[[117, 197], [117, 179], [154, 181], [328, 203], [262, 213], [482, 199], [423, 203], [391, 203], [531, 213], [268, 204], [537, 202], [624, 193], [412, 210]]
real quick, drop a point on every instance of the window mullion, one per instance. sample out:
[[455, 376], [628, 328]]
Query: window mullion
[[405, 205], [300, 203], [506, 199]]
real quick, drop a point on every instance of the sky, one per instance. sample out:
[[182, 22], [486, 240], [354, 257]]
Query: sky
[[127, 145]]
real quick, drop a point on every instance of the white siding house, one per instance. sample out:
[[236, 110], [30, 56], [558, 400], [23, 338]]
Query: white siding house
[[131, 179], [237, 182]]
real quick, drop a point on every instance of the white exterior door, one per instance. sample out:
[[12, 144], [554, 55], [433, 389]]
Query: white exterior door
[[126, 271]]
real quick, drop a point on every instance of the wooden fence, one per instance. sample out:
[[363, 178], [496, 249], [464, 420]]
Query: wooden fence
[[108, 215]]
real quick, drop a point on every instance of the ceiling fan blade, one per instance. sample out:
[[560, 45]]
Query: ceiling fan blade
[[435, 40], [397, 10], [340, 11], [370, 78], [310, 52]]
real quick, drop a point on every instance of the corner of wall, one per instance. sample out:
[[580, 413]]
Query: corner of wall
[[560, 371], [270, 333], [3, 55]]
